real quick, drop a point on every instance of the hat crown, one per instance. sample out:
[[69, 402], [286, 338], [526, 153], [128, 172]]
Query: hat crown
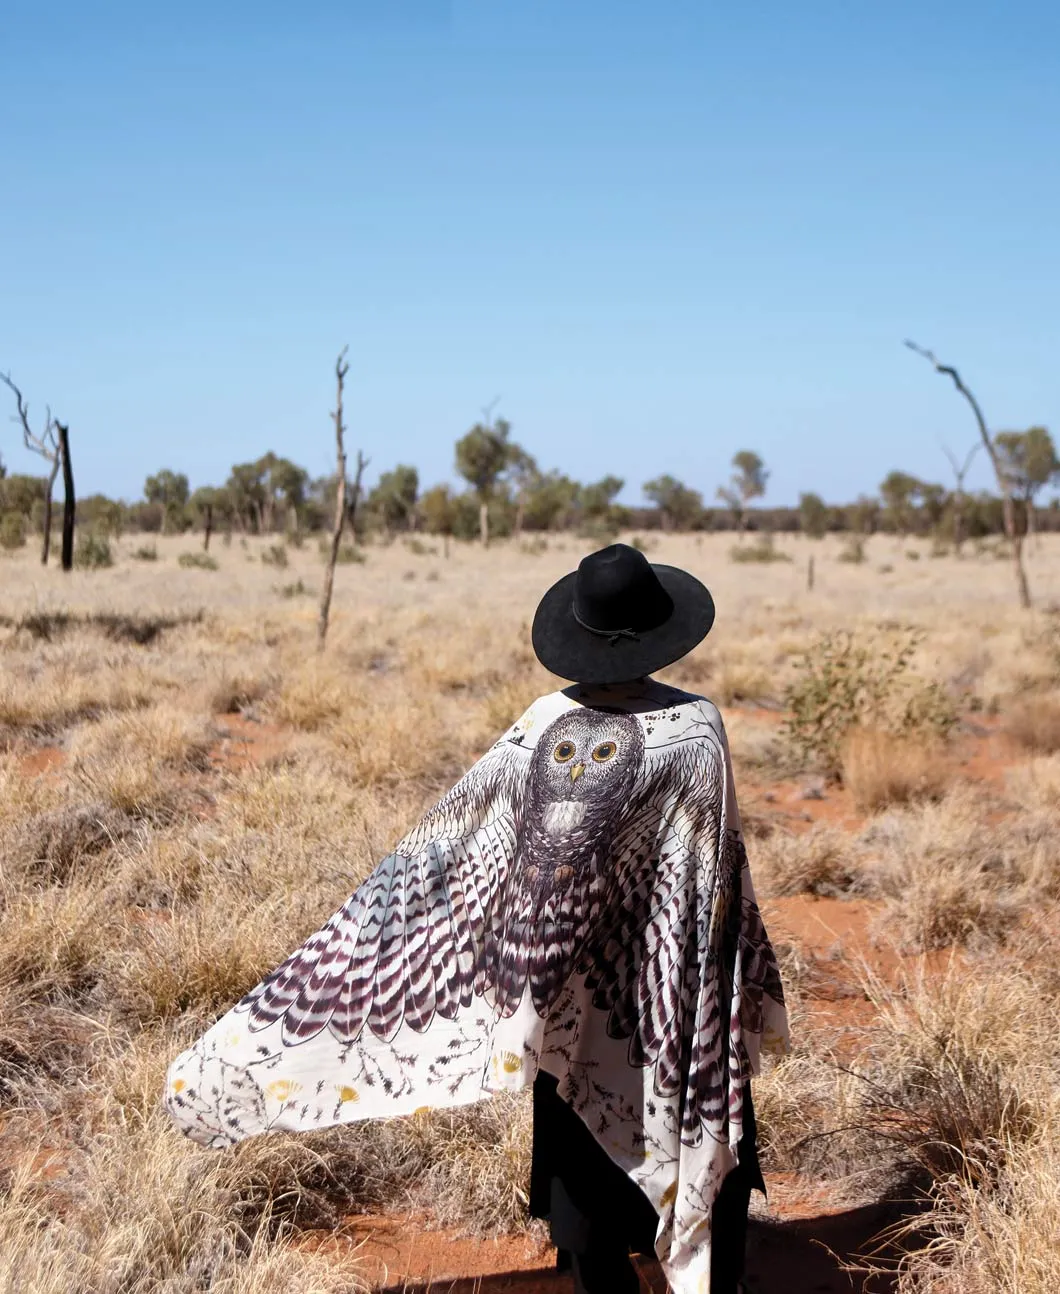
[[616, 588]]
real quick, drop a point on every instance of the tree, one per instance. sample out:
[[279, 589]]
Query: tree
[[551, 502], [48, 446], [901, 493], [1029, 462], [170, 491], [482, 456], [341, 512], [394, 498], [960, 471], [813, 515], [1015, 537], [747, 482], [522, 472], [600, 515], [680, 508], [438, 512], [210, 503]]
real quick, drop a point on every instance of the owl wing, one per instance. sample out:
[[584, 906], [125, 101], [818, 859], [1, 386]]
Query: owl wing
[[663, 966], [409, 942]]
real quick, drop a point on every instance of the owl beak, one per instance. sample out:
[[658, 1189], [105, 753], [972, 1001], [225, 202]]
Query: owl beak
[[576, 771]]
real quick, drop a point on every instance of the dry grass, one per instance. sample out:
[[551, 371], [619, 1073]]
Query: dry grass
[[145, 884], [950, 874], [881, 768], [821, 861], [1035, 724]]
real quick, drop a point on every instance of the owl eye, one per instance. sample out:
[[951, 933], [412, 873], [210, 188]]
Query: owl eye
[[604, 751], [564, 752]]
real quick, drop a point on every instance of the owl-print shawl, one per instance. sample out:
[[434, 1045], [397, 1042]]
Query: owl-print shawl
[[579, 902]]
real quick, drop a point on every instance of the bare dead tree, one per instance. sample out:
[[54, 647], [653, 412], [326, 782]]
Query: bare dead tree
[[343, 513], [960, 471], [69, 500], [47, 446], [1012, 529], [341, 369]]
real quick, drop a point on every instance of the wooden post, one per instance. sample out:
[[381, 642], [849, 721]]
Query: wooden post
[[809, 575], [69, 501], [207, 526]]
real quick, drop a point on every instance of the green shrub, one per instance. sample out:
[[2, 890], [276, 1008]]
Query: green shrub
[[197, 561], [853, 551], [535, 546], [146, 553], [912, 555], [418, 548], [842, 683], [350, 555], [275, 555], [93, 552], [762, 550], [12, 530], [296, 590]]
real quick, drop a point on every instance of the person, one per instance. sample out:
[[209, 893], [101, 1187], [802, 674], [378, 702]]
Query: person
[[576, 913]]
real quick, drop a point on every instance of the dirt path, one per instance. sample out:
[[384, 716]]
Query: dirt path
[[786, 1255]]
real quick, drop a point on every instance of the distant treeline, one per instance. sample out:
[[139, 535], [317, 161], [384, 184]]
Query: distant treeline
[[507, 494]]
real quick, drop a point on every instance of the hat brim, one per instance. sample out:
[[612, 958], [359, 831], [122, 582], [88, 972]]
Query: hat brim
[[565, 648]]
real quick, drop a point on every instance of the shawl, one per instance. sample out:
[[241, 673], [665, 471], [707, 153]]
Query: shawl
[[579, 902]]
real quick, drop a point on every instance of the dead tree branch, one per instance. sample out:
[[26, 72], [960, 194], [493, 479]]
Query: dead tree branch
[[1012, 530], [48, 446]]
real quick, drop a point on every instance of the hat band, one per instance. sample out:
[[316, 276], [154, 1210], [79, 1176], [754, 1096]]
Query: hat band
[[613, 635]]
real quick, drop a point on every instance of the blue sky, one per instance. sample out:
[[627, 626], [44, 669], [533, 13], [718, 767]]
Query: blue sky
[[661, 233]]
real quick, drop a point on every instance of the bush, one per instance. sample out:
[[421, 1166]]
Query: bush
[[146, 553], [197, 561], [275, 555], [418, 548], [350, 555], [842, 684], [13, 531], [853, 551], [296, 590], [93, 552], [762, 550]]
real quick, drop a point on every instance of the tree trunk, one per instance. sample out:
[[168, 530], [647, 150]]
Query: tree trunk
[[484, 523], [49, 485], [519, 514], [207, 526], [809, 576], [445, 543], [1015, 538], [69, 501], [958, 523]]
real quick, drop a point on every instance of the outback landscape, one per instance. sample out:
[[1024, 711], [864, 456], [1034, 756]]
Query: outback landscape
[[189, 788]]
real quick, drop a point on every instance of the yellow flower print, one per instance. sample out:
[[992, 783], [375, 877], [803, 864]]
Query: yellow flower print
[[283, 1089], [668, 1196], [179, 1085], [347, 1093]]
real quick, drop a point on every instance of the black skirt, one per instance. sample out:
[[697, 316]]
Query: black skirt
[[595, 1193]]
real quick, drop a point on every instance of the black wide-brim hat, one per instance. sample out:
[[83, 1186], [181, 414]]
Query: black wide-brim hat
[[619, 617]]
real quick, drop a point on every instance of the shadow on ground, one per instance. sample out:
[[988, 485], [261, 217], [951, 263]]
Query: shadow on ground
[[801, 1256]]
